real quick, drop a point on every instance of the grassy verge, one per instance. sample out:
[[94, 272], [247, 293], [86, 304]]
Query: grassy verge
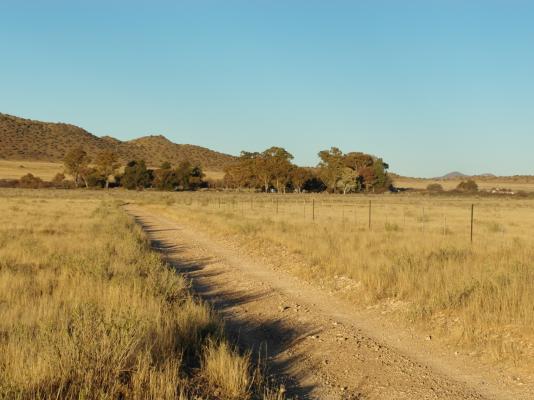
[[87, 310]]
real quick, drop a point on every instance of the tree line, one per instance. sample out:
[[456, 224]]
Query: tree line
[[272, 170], [337, 172], [104, 171]]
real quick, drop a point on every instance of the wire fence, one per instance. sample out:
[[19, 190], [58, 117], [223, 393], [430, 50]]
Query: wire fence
[[471, 218]]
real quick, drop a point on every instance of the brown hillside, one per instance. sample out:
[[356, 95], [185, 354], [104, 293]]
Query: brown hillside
[[24, 139]]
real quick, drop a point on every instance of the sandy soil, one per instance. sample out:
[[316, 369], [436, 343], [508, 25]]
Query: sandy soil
[[319, 346]]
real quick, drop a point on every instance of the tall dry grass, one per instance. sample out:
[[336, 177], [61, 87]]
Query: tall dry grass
[[416, 259], [88, 311]]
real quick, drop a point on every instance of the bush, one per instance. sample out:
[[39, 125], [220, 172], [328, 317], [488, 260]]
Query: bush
[[468, 186], [29, 181], [434, 188]]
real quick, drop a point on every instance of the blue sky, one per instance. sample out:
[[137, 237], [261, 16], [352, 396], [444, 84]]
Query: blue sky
[[430, 86]]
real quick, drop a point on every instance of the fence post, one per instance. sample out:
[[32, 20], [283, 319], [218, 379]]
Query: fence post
[[370, 206], [472, 220]]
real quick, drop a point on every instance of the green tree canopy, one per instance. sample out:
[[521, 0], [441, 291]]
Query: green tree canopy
[[136, 175]]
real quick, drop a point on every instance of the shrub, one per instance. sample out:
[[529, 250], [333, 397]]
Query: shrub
[[468, 186], [29, 181], [434, 188]]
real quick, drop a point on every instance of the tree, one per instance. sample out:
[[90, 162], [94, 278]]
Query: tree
[[349, 180], [468, 186], [231, 176], [196, 176], [243, 172], [184, 177], [76, 164], [299, 177], [276, 167], [358, 160], [331, 167], [382, 180], [94, 178], [107, 165], [136, 175], [183, 174], [262, 170], [165, 178], [367, 177]]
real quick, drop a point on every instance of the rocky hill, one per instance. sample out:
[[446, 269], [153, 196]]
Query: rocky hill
[[24, 139]]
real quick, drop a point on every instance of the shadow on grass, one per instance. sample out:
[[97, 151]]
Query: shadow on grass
[[264, 337]]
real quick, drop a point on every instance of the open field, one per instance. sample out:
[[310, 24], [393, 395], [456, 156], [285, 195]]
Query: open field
[[416, 258], [516, 185], [16, 169], [88, 310], [407, 259]]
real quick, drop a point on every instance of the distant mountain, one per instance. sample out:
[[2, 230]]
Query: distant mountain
[[458, 175], [24, 139], [453, 175]]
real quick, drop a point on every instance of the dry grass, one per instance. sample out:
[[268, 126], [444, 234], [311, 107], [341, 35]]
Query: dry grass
[[416, 261], [525, 184], [16, 169], [87, 310]]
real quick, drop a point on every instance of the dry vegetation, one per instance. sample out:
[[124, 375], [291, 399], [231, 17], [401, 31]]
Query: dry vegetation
[[416, 261], [87, 310], [516, 184], [24, 139], [10, 169]]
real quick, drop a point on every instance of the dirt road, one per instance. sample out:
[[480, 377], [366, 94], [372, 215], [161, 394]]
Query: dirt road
[[317, 343]]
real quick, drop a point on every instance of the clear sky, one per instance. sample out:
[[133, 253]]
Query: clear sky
[[430, 86]]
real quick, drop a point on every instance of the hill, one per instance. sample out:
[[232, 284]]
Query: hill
[[25, 139], [453, 175], [458, 175]]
